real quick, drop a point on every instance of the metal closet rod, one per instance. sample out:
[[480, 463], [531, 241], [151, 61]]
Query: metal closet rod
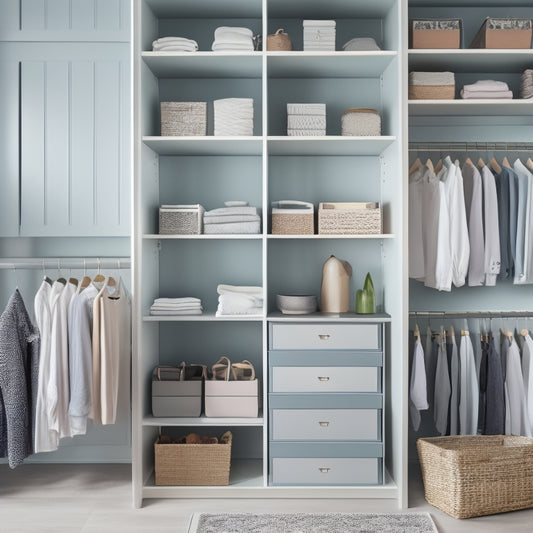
[[37, 263], [469, 146], [470, 314]]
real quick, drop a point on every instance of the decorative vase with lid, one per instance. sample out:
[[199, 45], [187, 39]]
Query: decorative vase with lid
[[335, 289]]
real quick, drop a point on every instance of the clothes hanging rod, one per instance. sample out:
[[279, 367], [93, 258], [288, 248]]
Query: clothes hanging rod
[[470, 314], [470, 147], [51, 263]]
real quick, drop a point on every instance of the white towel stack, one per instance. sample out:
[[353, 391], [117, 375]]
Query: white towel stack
[[239, 300], [526, 84], [306, 119], [176, 306], [233, 219], [487, 89], [174, 44], [234, 116], [319, 35], [233, 39]]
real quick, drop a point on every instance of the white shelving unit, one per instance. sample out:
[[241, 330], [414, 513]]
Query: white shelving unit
[[263, 168]]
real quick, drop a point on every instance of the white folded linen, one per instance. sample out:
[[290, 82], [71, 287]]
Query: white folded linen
[[163, 309], [233, 228], [184, 299], [232, 37], [176, 313], [175, 48], [431, 78], [240, 299], [237, 210], [164, 43], [224, 288], [472, 95], [254, 311], [228, 47], [487, 85], [223, 30], [224, 219], [319, 23]]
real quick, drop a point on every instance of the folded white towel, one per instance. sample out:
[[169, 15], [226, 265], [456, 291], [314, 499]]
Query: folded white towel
[[234, 228], [181, 42], [224, 219], [226, 211], [175, 48], [239, 301], [472, 95], [487, 85], [232, 37], [185, 299], [222, 30], [176, 313], [224, 288], [321, 23], [252, 312], [228, 47], [162, 308]]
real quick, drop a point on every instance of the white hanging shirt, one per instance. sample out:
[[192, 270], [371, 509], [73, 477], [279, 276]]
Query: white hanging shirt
[[443, 269], [492, 227], [469, 388], [526, 178], [430, 225], [418, 385], [459, 230], [527, 373]]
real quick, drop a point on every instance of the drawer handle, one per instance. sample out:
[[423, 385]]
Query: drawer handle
[[324, 469], [323, 378], [324, 424], [324, 337]]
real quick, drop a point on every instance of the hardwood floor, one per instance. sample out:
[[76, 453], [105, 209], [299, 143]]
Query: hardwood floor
[[39, 498]]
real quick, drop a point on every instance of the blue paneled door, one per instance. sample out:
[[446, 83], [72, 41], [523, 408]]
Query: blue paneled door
[[75, 149]]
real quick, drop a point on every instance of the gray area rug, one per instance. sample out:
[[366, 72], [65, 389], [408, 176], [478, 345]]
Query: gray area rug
[[313, 523]]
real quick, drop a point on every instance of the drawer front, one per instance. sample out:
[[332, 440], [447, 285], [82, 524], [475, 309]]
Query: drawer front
[[325, 336], [326, 471], [326, 379], [325, 424]]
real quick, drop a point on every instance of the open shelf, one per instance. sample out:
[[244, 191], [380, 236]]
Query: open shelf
[[319, 9], [204, 145], [206, 8], [205, 317], [328, 145], [471, 107], [277, 316], [229, 236], [350, 237], [150, 420]]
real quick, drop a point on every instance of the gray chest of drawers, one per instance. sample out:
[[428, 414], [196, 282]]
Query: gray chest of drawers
[[325, 403]]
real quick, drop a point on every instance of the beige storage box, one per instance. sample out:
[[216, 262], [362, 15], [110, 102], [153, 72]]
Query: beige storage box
[[432, 33], [431, 92], [182, 119], [504, 33], [181, 219], [476, 475], [192, 464], [361, 122], [349, 218], [292, 217], [232, 398], [176, 398]]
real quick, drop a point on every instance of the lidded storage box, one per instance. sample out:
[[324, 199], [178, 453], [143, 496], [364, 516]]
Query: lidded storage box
[[183, 118], [292, 217], [232, 398], [349, 218], [181, 219], [361, 122], [431, 33], [176, 398], [504, 33]]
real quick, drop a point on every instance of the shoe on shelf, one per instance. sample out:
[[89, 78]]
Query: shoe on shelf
[[244, 371], [221, 369]]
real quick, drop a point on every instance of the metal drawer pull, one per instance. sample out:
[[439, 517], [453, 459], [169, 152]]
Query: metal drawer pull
[[323, 337], [324, 469], [323, 378], [324, 424]]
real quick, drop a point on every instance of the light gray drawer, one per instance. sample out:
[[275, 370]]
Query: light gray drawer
[[325, 336], [326, 379], [325, 471], [325, 424]]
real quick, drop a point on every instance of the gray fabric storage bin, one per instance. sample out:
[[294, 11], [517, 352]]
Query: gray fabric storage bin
[[176, 398]]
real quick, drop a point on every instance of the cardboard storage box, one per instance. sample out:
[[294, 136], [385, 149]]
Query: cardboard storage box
[[430, 33], [504, 33], [232, 398], [176, 398]]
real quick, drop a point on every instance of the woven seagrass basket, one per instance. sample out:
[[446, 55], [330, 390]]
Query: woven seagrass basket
[[183, 118], [192, 464], [477, 475], [279, 41], [349, 218], [431, 92]]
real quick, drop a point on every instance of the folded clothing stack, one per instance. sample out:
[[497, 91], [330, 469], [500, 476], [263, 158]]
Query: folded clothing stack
[[526, 84], [319, 35], [306, 119], [174, 44], [236, 217], [239, 300], [361, 44], [176, 306], [233, 38], [431, 85], [487, 89], [234, 116]]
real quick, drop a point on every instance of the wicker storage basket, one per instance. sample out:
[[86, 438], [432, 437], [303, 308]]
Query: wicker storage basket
[[349, 218], [504, 33], [279, 41], [293, 218], [430, 33], [181, 219], [361, 122], [431, 92], [477, 475], [192, 464], [183, 118]]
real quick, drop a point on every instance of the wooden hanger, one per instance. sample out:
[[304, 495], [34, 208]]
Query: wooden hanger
[[495, 165], [506, 163], [429, 164], [524, 332], [480, 163], [529, 163], [74, 281], [438, 166], [469, 162], [417, 332], [465, 333], [415, 166]]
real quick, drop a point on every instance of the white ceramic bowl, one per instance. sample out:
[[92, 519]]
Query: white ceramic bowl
[[296, 304]]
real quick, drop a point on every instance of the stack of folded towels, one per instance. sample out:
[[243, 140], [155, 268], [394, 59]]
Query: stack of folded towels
[[234, 116], [306, 119], [526, 84], [176, 306], [319, 35], [174, 44], [431, 85], [487, 89], [233, 38], [361, 44], [236, 217], [239, 300]]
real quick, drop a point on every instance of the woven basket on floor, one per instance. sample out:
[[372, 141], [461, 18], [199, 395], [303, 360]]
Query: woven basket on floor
[[349, 218], [192, 464], [431, 92], [477, 475]]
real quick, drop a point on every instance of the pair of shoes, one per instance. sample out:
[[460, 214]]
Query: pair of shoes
[[192, 372], [244, 371]]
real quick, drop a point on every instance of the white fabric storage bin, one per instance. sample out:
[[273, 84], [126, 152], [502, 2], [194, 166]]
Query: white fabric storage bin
[[361, 122], [232, 398], [181, 219], [234, 116], [183, 119], [306, 109]]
